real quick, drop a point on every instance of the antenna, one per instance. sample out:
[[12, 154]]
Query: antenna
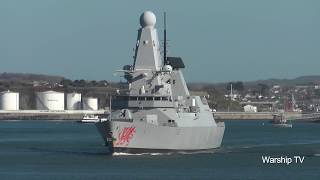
[[165, 39]]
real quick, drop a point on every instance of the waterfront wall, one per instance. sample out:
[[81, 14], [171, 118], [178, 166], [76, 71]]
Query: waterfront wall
[[222, 116], [47, 114]]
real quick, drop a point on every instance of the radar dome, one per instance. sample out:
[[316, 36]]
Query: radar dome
[[167, 68], [147, 19]]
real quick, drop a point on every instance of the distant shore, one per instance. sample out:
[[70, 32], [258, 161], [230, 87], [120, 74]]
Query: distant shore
[[47, 115], [75, 115]]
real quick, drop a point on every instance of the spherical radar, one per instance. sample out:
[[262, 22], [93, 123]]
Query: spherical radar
[[147, 19]]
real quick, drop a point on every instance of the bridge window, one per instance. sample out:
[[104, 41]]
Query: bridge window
[[164, 99], [122, 98], [145, 98], [133, 98]]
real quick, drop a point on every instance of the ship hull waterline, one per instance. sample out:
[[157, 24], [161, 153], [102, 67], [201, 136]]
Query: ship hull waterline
[[140, 137]]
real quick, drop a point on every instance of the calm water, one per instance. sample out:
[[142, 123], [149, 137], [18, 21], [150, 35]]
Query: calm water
[[66, 150]]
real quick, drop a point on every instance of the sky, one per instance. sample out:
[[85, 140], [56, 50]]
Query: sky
[[219, 40]]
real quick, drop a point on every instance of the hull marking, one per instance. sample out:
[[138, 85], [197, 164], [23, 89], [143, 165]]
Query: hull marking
[[125, 136]]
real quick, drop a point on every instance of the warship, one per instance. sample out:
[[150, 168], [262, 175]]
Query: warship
[[155, 112]]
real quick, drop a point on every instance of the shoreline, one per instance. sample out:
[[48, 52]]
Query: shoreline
[[75, 115]]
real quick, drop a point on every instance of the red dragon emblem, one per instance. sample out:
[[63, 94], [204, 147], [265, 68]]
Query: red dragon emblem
[[125, 135]]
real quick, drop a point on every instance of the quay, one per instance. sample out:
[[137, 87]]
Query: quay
[[225, 116], [75, 115], [47, 114]]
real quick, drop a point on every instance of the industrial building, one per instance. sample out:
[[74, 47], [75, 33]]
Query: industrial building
[[250, 108], [9, 100], [90, 103], [73, 101], [50, 100]]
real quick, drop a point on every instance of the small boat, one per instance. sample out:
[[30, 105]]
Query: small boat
[[91, 118], [280, 121]]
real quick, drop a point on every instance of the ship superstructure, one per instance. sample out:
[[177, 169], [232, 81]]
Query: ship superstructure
[[156, 112]]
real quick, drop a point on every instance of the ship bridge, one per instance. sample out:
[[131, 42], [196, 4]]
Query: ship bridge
[[141, 101]]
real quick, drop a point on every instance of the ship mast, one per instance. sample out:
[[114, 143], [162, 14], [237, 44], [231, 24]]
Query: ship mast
[[165, 40]]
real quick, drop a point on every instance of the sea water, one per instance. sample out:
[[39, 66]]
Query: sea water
[[68, 150]]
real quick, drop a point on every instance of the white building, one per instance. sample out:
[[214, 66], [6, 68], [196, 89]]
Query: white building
[[250, 108], [9, 100], [90, 103], [50, 100], [73, 101]]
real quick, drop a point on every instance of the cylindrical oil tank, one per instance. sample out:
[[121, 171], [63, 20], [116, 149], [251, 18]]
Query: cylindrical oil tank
[[90, 103], [9, 100], [50, 100], [73, 101]]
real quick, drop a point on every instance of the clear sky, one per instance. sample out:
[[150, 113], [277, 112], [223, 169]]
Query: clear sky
[[219, 40]]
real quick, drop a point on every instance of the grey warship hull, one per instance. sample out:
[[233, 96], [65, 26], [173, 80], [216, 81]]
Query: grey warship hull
[[153, 133], [140, 137]]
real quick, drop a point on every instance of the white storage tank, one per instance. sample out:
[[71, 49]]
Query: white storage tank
[[73, 101], [250, 108], [50, 100], [9, 100], [90, 103]]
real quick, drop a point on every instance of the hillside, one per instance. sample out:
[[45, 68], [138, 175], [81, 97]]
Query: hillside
[[29, 78], [26, 78], [302, 80]]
